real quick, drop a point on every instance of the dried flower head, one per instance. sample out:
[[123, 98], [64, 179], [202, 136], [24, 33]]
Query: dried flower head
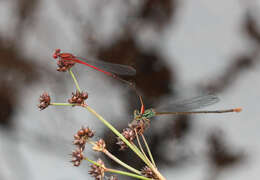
[[129, 134], [100, 145], [64, 65], [45, 100], [96, 171], [77, 157], [139, 125], [82, 136], [65, 60], [147, 172], [78, 97]]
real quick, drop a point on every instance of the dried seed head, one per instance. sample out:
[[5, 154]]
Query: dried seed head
[[78, 97], [45, 101], [129, 134], [82, 136], [96, 171], [89, 132], [100, 145], [65, 60], [147, 172], [77, 157], [84, 95], [81, 132], [64, 65], [139, 125]]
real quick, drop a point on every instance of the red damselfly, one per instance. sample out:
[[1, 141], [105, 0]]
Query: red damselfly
[[109, 69]]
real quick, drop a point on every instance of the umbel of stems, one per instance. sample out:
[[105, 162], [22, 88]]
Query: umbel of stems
[[150, 171]]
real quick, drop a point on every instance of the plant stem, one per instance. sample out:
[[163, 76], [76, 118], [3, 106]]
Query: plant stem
[[114, 130], [127, 174], [148, 149], [114, 158], [152, 166], [117, 171], [158, 174], [111, 156], [93, 162], [140, 146], [62, 104], [75, 80], [136, 150]]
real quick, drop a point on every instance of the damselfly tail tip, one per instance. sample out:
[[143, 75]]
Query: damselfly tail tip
[[237, 109]]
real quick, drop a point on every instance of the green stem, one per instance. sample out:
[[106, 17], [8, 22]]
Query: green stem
[[114, 130], [148, 149], [93, 162], [137, 148], [111, 156], [62, 104], [140, 146], [117, 171], [75, 80], [127, 174]]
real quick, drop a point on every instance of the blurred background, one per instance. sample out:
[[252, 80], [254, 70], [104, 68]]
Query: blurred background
[[178, 48]]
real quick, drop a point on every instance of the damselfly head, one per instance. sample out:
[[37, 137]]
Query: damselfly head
[[56, 54]]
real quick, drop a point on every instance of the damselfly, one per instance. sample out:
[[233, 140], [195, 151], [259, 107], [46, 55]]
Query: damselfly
[[108, 69], [183, 107]]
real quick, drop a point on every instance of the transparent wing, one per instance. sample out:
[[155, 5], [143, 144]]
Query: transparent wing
[[188, 104], [110, 67]]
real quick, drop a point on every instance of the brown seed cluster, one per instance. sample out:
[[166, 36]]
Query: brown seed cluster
[[96, 171], [140, 125], [129, 134], [65, 60], [82, 136], [64, 65], [78, 98], [147, 172], [45, 101], [100, 145], [77, 157], [80, 140]]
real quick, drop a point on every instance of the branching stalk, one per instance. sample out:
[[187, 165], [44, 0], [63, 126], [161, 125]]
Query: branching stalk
[[127, 174], [115, 131], [62, 104], [114, 158], [148, 149], [117, 171], [140, 146], [75, 80]]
